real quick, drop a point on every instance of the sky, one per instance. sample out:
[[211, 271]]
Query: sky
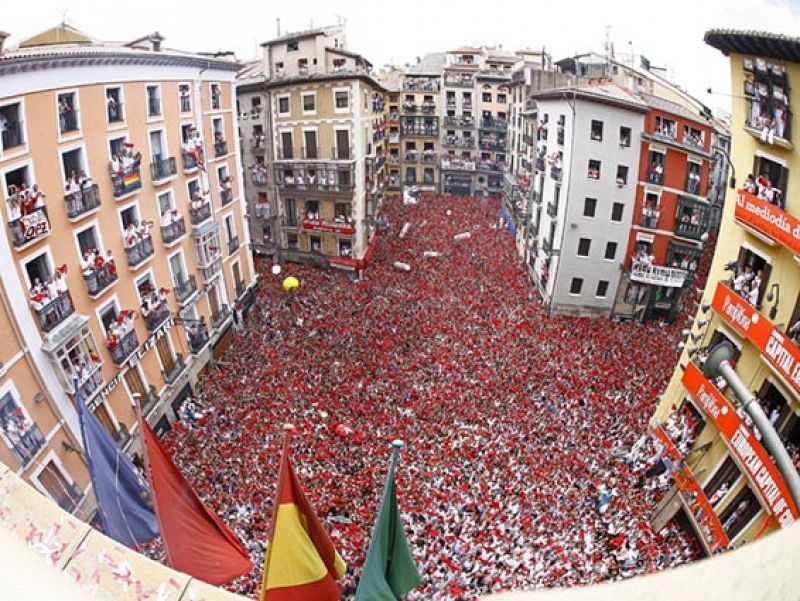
[[668, 33]]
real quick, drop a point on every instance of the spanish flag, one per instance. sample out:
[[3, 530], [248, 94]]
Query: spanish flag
[[301, 563]]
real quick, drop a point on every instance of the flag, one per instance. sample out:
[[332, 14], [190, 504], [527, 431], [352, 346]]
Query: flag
[[301, 563], [124, 503], [389, 570], [196, 540]]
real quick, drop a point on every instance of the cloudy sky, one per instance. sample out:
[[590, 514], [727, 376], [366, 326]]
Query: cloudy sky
[[669, 33]]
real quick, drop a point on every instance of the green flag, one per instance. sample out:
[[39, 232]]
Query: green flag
[[389, 571]]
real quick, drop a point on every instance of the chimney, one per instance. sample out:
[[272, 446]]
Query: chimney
[[155, 40], [3, 36]]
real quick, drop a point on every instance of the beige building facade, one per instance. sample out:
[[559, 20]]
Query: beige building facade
[[124, 255]]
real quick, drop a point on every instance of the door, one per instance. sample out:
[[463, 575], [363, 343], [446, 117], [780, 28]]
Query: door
[[342, 144], [156, 146], [286, 145], [311, 144]]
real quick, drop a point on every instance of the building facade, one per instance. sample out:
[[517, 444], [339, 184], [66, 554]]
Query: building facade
[[751, 303], [124, 254], [672, 211], [584, 194], [322, 170]]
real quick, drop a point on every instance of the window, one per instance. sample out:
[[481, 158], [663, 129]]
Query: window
[[589, 207], [114, 108], [611, 250], [584, 245], [594, 169], [776, 175], [309, 103], [287, 146], [666, 127], [342, 99], [283, 105], [575, 286], [616, 211], [342, 144], [602, 289], [723, 480], [739, 512], [216, 96], [622, 175], [597, 131], [292, 46], [18, 431], [59, 486], [290, 210], [502, 98], [67, 113], [185, 98], [153, 101], [625, 137], [486, 97]]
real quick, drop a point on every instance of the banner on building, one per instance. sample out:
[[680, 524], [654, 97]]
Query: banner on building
[[319, 225], [34, 225], [769, 220], [657, 275], [709, 526], [749, 452], [779, 351]]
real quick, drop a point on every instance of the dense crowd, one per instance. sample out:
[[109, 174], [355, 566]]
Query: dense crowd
[[527, 461]]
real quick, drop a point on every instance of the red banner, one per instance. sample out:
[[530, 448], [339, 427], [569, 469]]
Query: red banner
[[769, 220], [774, 345], [697, 501], [318, 225], [752, 456]]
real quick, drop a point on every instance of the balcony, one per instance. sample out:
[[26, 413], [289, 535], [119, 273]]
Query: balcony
[[233, 245], [455, 81], [198, 336], [156, 317], [54, 311], [655, 177], [161, 169], [491, 166], [221, 317], [428, 107], [139, 252], [769, 130], [672, 140], [767, 221], [173, 231], [429, 156], [493, 145], [13, 134], [189, 162], [259, 178], [29, 228], [67, 121], [555, 173], [211, 267], [421, 85], [650, 218], [200, 214], [100, 279], [27, 443], [394, 138], [185, 289], [115, 111], [339, 181], [493, 124], [153, 106], [457, 164], [123, 348], [220, 148], [657, 275], [552, 209], [458, 142], [458, 121], [410, 107], [225, 197], [127, 182], [540, 166], [91, 384], [691, 218], [171, 375], [258, 145]]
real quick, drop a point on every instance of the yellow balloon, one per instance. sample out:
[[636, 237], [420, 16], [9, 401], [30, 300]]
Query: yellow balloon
[[291, 284]]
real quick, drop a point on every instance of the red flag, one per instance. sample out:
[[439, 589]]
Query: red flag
[[196, 540]]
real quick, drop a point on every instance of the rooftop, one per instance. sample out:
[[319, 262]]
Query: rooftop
[[430, 64], [673, 108], [306, 33], [607, 93], [759, 43]]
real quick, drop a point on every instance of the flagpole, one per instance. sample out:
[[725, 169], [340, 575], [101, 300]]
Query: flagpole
[[288, 430]]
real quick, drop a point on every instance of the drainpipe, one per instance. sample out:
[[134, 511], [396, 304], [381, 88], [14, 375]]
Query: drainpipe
[[718, 364]]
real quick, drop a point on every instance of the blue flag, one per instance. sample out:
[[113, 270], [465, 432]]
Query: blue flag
[[124, 502]]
